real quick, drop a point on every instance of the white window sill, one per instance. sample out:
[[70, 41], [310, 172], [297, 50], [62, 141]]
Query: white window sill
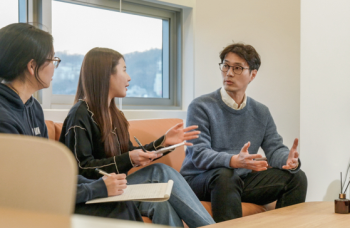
[[59, 115]]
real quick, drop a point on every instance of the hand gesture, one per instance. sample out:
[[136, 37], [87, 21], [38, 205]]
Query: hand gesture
[[140, 158], [178, 134], [292, 161], [246, 160], [115, 183]]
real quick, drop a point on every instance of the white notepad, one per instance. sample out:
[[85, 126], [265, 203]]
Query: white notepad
[[165, 149], [152, 192]]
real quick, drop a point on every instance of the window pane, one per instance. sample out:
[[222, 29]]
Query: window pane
[[8, 12], [138, 38]]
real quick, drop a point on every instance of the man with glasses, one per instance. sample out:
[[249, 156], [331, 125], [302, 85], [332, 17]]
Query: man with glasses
[[233, 127]]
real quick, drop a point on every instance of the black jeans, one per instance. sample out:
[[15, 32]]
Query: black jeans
[[226, 190]]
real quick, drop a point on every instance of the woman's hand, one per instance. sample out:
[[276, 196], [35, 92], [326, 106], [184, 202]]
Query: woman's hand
[[115, 183], [178, 134], [140, 158]]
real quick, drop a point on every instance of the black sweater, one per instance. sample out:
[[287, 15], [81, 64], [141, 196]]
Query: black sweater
[[83, 137]]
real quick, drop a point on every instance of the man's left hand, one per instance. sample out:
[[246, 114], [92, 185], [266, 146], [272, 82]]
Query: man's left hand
[[292, 161]]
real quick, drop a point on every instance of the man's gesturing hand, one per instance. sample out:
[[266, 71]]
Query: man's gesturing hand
[[245, 160], [292, 161]]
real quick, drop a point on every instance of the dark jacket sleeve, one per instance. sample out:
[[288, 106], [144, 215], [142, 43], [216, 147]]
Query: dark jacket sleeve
[[8, 128], [78, 139], [90, 189], [155, 145], [45, 133]]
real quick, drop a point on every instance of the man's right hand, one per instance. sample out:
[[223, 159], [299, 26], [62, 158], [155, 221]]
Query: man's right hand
[[246, 160], [115, 183]]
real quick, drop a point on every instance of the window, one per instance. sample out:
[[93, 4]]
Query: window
[[8, 12], [146, 35]]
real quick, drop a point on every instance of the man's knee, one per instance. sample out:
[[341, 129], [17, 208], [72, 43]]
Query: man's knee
[[226, 178], [300, 178]]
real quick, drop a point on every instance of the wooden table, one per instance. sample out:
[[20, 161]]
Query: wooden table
[[310, 214], [21, 218]]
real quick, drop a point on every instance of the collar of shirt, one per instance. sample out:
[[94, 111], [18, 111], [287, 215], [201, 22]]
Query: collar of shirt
[[230, 102]]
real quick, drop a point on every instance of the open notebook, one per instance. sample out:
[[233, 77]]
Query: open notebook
[[153, 192]]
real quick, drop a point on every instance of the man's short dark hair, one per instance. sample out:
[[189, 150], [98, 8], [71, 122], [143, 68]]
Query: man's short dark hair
[[246, 52]]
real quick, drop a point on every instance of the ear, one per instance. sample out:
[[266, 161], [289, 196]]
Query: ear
[[31, 66], [253, 75]]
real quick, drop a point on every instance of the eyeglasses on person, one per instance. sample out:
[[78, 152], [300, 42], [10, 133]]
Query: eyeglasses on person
[[56, 61], [236, 69]]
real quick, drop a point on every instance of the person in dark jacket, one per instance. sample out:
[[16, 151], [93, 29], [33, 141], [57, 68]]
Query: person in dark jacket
[[27, 65], [96, 132]]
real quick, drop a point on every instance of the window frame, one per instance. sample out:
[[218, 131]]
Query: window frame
[[174, 102]]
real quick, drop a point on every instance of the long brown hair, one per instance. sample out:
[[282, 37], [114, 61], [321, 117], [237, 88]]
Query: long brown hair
[[93, 87]]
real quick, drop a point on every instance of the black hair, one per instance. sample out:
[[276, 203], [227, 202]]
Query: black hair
[[19, 44], [246, 52]]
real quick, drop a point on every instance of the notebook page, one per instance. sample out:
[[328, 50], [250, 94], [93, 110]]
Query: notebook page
[[139, 192]]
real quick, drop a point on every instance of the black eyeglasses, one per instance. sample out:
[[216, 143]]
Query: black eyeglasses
[[236, 69], [56, 61]]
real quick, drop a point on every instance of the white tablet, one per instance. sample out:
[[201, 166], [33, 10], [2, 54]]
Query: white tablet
[[165, 149]]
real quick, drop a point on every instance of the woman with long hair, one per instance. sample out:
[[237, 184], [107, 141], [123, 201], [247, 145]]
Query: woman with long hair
[[97, 134], [27, 65]]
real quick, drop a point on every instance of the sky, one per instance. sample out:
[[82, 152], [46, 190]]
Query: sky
[[77, 29]]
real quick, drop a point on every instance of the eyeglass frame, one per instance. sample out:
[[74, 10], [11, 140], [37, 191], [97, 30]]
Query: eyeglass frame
[[55, 59], [242, 68]]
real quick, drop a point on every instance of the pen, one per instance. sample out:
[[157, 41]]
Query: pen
[[102, 172], [138, 142]]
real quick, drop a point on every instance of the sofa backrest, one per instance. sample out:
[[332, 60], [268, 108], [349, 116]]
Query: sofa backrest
[[145, 131], [54, 129]]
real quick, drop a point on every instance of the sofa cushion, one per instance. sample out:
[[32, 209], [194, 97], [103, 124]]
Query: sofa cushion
[[147, 131], [58, 129], [50, 125]]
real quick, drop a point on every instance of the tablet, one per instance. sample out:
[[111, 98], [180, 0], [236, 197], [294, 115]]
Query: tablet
[[165, 149]]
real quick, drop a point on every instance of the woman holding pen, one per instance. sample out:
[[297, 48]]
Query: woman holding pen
[[27, 64], [97, 134]]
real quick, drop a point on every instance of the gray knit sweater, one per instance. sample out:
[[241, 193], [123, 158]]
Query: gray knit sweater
[[224, 131]]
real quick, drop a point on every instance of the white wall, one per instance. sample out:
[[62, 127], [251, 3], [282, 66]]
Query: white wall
[[273, 28], [325, 80], [303, 79]]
